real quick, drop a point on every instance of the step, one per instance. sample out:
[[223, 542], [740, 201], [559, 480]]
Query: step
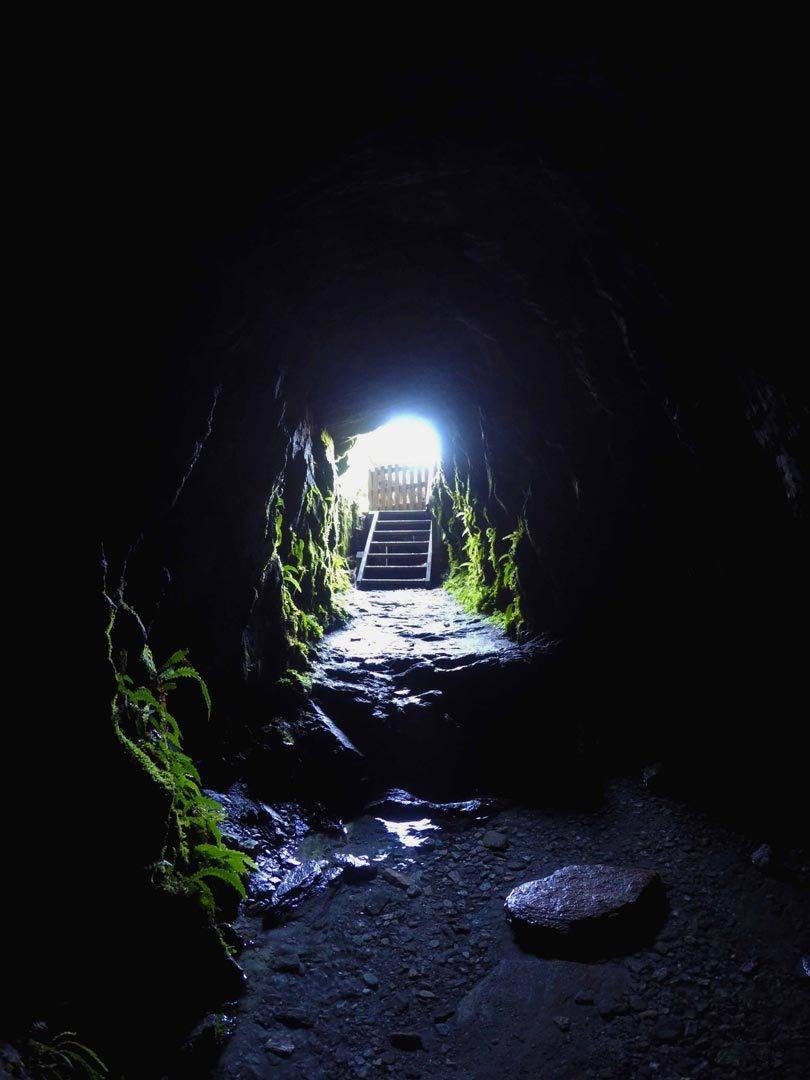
[[409, 572], [422, 529], [399, 558], [393, 583], [390, 523], [411, 534], [397, 515], [395, 564], [421, 544]]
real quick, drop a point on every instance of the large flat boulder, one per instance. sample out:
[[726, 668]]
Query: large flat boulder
[[593, 906]]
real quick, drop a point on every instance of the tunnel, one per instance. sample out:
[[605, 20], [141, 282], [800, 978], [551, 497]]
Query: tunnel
[[306, 815]]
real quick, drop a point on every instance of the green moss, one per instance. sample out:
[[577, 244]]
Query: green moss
[[192, 858], [296, 680], [483, 565], [311, 549]]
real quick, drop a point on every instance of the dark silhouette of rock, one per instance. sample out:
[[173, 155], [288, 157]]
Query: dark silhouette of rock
[[399, 805], [406, 1040], [762, 857]]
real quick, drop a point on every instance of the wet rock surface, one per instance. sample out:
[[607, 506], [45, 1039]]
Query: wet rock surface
[[597, 908], [398, 960], [420, 688]]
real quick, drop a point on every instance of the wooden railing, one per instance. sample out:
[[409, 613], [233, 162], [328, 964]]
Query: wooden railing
[[398, 487]]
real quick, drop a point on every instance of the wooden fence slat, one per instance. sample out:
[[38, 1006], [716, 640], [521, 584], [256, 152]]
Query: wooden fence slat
[[398, 487]]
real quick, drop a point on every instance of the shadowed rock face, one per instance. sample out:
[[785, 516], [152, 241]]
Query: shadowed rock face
[[598, 907]]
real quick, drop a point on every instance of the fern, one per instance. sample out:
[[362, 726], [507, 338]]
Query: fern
[[62, 1057], [188, 672], [194, 849], [220, 872], [292, 576], [175, 658]]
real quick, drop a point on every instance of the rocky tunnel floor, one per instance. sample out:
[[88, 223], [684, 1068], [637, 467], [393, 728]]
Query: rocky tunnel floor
[[381, 948]]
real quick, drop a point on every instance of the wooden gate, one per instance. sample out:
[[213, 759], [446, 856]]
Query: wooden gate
[[398, 487]]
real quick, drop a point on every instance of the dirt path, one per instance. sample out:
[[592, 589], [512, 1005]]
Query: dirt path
[[413, 971]]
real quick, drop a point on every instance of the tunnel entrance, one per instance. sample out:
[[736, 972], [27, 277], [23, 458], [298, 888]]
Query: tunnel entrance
[[389, 474], [393, 466]]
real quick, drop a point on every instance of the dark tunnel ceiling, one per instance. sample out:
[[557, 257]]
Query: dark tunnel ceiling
[[424, 247], [338, 207]]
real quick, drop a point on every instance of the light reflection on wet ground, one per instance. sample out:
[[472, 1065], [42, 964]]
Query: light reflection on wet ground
[[409, 833], [387, 633], [417, 624], [372, 836]]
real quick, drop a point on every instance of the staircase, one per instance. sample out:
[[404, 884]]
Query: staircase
[[398, 551]]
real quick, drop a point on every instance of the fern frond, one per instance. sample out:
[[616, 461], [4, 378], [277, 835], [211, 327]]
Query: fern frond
[[232, 857], [221, 874], [175, 658], [141, 696], [188, 672]]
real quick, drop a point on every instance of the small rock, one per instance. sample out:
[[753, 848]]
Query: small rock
[[280, 1047], [668, 1030], [762, 857], [300, 883], [407, 1040], [294, 1018], [356, 869], [495, 841], [563, 1023], [287, 964], [394, 877], [650, 773], [730, 1056], [610, 1003], [371, 980], [376, 903]]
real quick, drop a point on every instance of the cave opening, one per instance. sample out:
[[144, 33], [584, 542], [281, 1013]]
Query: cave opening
[[409, 442]]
